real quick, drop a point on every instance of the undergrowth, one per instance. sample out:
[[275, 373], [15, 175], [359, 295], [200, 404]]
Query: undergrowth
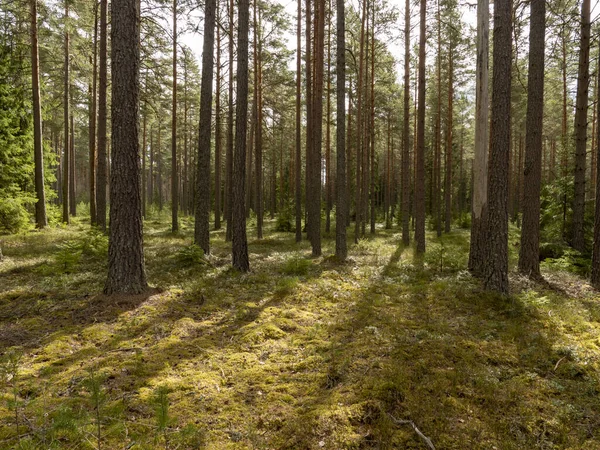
[[300, 353]]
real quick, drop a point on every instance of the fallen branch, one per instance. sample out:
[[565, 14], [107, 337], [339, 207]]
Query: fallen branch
[[412, 424], [559, 361]]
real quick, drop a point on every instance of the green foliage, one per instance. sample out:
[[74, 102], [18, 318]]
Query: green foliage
[[570, 261], [161, 409], [284, 221], [14, 216], [68, 256], [296, 265], [190, 256], [94, 244]]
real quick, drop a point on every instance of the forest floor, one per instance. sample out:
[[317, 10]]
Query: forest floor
[[300, 353]]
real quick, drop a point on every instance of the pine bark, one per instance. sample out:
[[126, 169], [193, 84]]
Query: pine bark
[[495, 275], [239, 238], [595, 279], [38, 151], [420, 156], [218, 164], [66, 114], [406, 131], [174, 165], [126, 272], [341, 191], [202, 227], [529, 261], [102, 119], [72, 192], [449, 139], [581, 119], [229, 143], [298, 165], [93, 118]]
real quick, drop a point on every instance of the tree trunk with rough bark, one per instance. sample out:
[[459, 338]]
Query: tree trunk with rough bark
[[341, 191], [38, 151], [581, 120], [66, 115], [174, 165], [420, 156], [101, 181], [126, 272], [239, 238], [202, 227], [495, 273]]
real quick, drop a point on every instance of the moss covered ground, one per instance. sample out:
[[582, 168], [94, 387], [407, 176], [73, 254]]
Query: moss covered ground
[[300, 353]]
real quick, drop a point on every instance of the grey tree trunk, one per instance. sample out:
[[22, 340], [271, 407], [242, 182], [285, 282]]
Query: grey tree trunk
[[480, 159], [495, 274], [239, 239], [581, 119], [529, 261], [202, 227], [38, 151], [126, 272]]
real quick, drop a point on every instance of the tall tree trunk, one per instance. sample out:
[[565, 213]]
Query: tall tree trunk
[[406, 130], [258, 126], [67, 137], [151, 172], [38, 151], [359, 127], [72, 194], [495, 275], [581, 120], [309, 116], [420, 157], [328, 173], [480, 158], [93, 117], [529, 261], [185, 190], [449, 136], [174, 178], [240, 241], [372, 183], [595, 279], [144, 147], [202, 227], [298, 165], [314, 201], [102, 119], [229, 151], [126, 272], [218, 165], [437, 189]]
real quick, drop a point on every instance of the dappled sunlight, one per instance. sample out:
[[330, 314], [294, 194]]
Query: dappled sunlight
[[300, 352]]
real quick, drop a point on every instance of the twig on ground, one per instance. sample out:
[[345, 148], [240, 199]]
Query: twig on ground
[[559, 361], [412, 424]]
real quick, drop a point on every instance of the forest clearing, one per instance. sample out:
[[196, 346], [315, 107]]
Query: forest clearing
[[299, 353]]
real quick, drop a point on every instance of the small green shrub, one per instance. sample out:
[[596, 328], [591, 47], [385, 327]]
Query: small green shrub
[[68, 256], [296, 265], [95, 244], [191, 255], [570, 261], [14, 216]]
